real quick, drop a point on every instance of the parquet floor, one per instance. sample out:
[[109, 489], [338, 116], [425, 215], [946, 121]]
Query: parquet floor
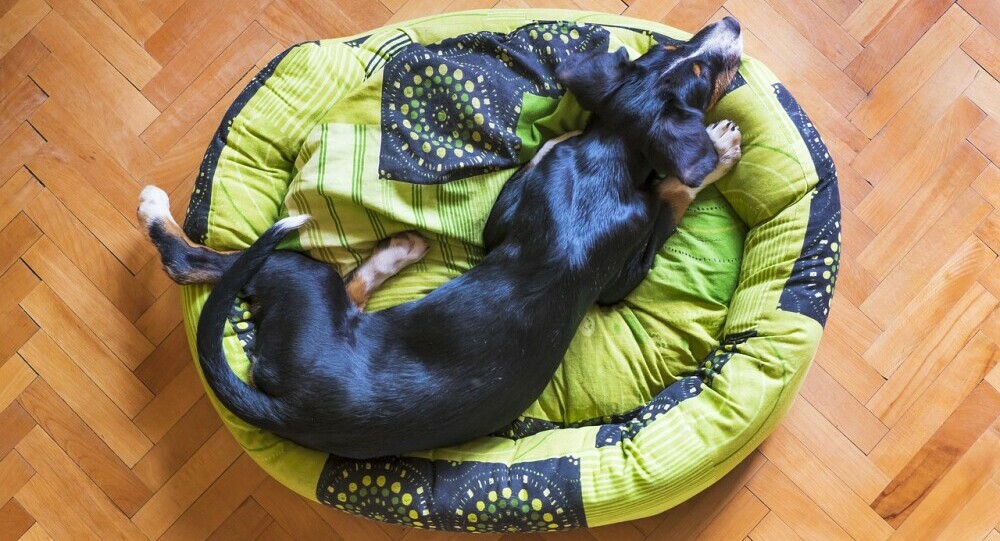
[[105, 432]]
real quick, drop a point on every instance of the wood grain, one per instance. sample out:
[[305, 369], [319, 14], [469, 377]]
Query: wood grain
[[105, 428]]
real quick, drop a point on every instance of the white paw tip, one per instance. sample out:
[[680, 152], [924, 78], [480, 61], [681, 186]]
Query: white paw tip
[[153, 202]]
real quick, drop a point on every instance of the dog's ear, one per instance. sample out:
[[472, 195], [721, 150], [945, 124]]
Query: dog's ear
[[679, 146], [593, 77]]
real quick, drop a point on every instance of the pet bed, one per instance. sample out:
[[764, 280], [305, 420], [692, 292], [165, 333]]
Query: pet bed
[[417, 126]]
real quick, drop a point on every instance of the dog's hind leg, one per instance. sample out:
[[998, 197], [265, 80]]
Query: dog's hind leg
[[183, 260], [390, 256]]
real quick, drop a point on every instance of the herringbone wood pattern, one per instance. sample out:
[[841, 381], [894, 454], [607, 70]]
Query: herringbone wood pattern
[[106, 433]]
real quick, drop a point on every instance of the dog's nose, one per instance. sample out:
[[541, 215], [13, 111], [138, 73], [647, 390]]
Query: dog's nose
[[730, 24]]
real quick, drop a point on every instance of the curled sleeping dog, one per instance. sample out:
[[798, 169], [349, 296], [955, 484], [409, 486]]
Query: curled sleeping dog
[[579, 224]]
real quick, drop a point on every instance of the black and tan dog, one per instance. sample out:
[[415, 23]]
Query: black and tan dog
[[579, 224]]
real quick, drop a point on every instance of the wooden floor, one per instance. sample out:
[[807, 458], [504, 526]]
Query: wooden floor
[[105, 432]]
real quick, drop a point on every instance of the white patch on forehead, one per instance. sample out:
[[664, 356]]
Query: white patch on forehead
[[719, 41]]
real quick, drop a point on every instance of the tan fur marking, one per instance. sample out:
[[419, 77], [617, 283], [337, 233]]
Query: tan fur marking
[[670, 47], [677, 195], [697, 69], [358, 290]]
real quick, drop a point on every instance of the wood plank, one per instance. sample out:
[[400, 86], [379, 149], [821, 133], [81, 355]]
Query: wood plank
[[15, 376], [984, 48], [920, 422], [135, 18], [939, 192], [108, 38], [772, 528], [89, 353], [92, 308], [205, 91], [972, 472], [987, 138], [169, 358], [198, 54], [945, 237], [292, 513], [15, 423], [833, 448], [15, 239], [47, 505], [962, 428], [16, 149], [14, 521], [916, 117], [170, 405], [823, 486], [14, 473], [829, 81], [922, 60], [848, 368], [736, 519], [79, 492], [62, 37], [247, 522], [954, 283], [791, 505], [81, 394], [221, 499], [15, 193], [825, 34], [64, 180], [84, 447], [896, 38], [18, 105], [88, 255], [985, 11], [190, 482], [178, 444], [871, 17], [988, 185], [893, 192], [18, 21]]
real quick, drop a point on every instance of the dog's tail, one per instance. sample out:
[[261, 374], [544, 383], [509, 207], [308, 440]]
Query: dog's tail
[[246, 402]]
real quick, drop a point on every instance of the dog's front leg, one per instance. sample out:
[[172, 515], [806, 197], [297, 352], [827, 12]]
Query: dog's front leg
[[677, 197]]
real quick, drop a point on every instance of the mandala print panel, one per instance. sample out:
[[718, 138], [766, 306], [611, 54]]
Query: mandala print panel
[[450, 110]]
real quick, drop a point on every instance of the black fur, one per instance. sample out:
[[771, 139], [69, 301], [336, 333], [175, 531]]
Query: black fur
[[581, 225]]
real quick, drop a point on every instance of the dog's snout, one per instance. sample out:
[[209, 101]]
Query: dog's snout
[[730, 24]]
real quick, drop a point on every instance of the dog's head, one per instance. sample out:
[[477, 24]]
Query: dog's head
[[661, 98]]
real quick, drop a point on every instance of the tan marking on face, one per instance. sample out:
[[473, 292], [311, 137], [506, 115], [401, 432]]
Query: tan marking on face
[[721, 84], [670, 47], [697, 69]]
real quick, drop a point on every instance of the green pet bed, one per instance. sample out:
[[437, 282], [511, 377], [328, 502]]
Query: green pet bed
[[417, 126]]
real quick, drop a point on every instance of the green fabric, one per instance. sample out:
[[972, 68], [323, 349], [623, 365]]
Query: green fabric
[[308, 142]]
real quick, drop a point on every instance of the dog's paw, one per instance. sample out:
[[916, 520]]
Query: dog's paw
[[726, 137], [153, 204], [403, 249]]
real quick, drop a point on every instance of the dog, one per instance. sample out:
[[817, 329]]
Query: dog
[[577, 225]]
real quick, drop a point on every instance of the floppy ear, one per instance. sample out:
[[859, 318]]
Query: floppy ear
[[592, 77], [679, 146]]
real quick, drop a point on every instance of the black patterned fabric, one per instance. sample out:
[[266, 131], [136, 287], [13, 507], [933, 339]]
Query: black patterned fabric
[[541, 495], [450, 110], [809, 289]]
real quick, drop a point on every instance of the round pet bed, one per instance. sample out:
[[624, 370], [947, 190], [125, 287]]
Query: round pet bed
[[417, 126]]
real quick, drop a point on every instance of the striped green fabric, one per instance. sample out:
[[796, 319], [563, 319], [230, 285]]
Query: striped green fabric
[[657, 397]]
